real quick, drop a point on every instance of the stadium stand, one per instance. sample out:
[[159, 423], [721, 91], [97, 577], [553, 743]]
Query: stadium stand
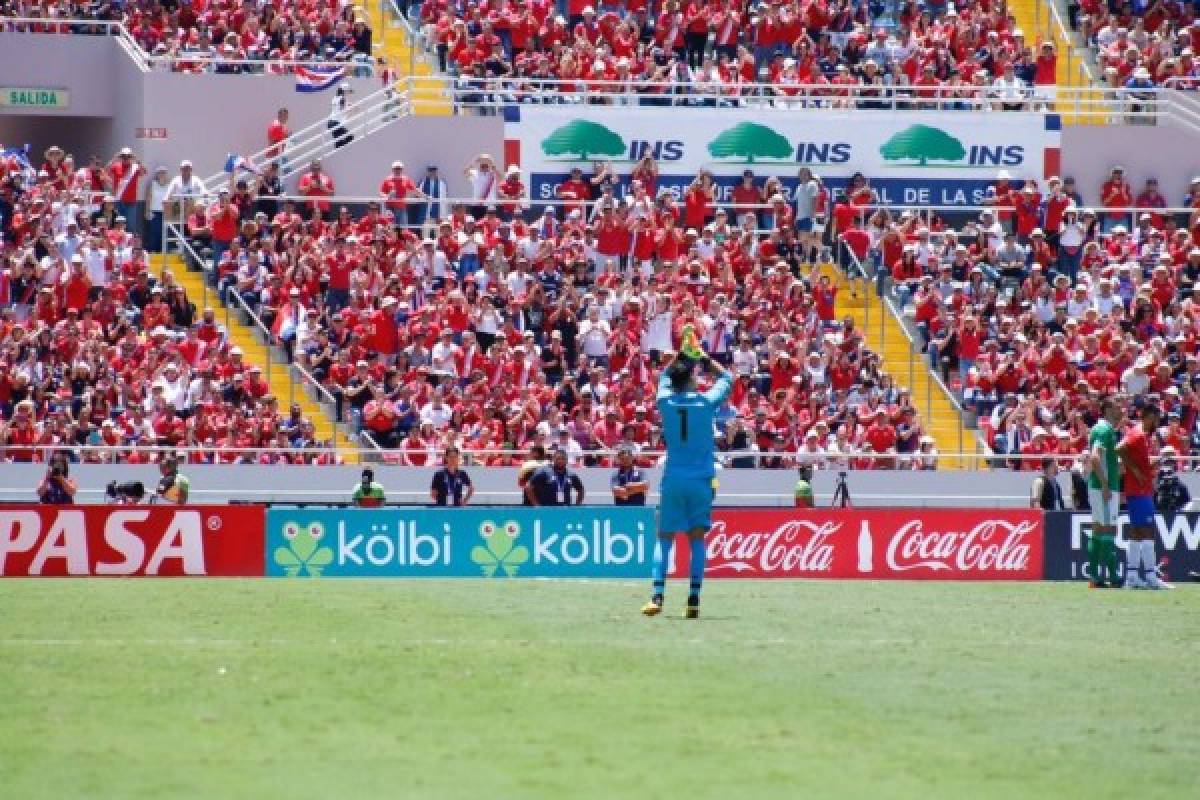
[[1036, 315], [493, 332], [99, 351], [943, 56], [1144, 45]]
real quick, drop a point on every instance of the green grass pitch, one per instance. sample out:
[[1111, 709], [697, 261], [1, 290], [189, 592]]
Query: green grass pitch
[[557, 689]]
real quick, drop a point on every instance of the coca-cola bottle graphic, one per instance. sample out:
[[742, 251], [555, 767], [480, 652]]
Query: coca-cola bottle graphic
[[865, 548]]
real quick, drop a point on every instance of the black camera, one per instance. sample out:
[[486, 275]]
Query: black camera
[[58, 470], [125, 492]]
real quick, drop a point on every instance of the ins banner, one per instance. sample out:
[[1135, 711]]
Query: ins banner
[[927, 158]]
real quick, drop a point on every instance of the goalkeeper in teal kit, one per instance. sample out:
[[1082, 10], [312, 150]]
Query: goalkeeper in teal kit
[[686, 491]]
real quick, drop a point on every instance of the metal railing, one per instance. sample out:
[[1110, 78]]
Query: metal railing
[[855, 270], [495, 94], [173, 234], [785, 459]]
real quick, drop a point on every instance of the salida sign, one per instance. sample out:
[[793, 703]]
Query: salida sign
[[905, 544], [131, 540]]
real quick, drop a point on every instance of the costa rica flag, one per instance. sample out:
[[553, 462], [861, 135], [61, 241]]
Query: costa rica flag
[[317, 79]]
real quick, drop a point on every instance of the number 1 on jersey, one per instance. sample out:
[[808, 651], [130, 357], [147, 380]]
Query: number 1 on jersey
[[683, 422]]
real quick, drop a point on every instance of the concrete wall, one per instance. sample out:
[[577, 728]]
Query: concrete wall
[[81, 64], [220, 484], [448, 142], [209, 117], [1165, 152]]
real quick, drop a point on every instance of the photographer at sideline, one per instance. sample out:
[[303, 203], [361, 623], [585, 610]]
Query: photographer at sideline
[[1170, 495], [57, 488], [172, 487], [368, 494], [804, 490]]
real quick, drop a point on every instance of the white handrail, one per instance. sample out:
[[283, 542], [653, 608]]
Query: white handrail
[[383, 106], [528, 203]]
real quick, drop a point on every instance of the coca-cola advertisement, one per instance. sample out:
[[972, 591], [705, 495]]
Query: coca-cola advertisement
[[122, 541], [879, 544]]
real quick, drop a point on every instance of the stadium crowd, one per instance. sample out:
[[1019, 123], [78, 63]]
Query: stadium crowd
[[1038, 309], [97, 350], [221, 37], [1142, 45], [964, 56], [491, 326]]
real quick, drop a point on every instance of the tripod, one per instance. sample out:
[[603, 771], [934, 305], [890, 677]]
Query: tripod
[[841, 493]]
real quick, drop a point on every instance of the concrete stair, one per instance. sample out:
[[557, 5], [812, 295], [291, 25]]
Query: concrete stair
[[885, 336], [409, 61], [1040, 27], [286, 384]]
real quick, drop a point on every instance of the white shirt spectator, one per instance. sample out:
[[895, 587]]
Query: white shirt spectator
[[95, 265], [1076, 305], [68, 244], [658, 332], [594, 334], [745, 362], [484, 183], [1105, 303], [1135, 381], [442, 357], [1009, 90], [518, 282], [806, 199], [191, 188], [174, 391], [436, 413]]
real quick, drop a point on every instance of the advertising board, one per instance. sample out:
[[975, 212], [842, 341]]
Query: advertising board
[[1178, 542], [489, 542], [58, 541], [869, 543], [925, 158]]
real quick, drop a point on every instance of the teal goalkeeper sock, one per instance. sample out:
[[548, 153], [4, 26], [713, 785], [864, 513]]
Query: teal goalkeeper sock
[[699, 555], [662, 562]]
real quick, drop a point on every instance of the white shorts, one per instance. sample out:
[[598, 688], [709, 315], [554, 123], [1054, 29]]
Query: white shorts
[[1104, 513]]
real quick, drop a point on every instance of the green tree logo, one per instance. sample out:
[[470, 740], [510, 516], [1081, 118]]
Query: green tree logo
[[923, 144], [583, 139], [749, 141], [499, 550], [303, 554]]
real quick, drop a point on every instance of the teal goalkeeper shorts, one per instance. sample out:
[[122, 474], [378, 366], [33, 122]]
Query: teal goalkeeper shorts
[[684, 505]]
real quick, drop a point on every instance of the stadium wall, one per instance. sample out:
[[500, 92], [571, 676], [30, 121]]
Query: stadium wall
[[1166, 152], [738, 487]]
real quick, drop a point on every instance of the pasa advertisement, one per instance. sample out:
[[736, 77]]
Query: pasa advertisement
[[125, 541], [910, 157], [485, 542]]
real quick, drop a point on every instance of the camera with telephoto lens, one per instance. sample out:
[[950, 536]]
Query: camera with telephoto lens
[[125, 492]]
